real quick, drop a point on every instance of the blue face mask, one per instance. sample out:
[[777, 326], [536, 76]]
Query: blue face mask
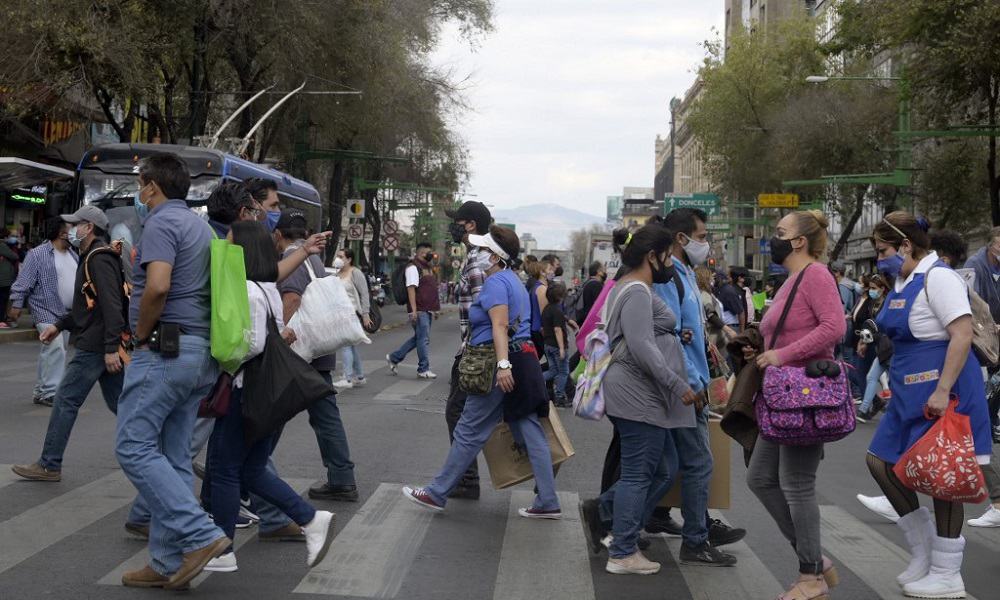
[[141, 210], [890, 267], [272, 219], [874, 294]]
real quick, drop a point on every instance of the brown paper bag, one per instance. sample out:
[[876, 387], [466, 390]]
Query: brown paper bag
[[718, 487], [509, 464]]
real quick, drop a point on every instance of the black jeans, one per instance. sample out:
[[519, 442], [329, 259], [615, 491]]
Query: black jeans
[[452, 413]]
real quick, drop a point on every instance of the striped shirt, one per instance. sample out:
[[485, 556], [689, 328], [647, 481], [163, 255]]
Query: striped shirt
[[38, 284], [470, 282]]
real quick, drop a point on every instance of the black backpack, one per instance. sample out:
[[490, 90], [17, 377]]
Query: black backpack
[[574, 304], [399, 284]]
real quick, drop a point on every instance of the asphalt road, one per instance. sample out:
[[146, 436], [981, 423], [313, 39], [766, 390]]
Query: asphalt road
[[65, 540]]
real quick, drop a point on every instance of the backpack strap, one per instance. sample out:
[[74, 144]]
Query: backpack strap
[[88, 289]]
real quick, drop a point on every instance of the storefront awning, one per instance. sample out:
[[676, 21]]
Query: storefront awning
[[17, 173]]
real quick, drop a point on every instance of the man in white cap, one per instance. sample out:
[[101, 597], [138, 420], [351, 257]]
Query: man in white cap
[[96, 322]]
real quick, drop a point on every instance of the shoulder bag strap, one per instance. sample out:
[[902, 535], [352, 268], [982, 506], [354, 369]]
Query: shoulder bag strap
[[615, 347], [784, 311], [309, 268]]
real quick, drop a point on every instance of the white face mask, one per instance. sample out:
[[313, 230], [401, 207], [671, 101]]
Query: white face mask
[[483, 262], [697, 251], [338, 263]]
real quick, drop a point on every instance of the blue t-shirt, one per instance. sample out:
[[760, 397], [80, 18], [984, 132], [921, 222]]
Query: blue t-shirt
[[502, 287], [173, 234], [690, 315]]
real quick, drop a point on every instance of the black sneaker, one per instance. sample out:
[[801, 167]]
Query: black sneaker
[[336, 493], [465, 492], [877, 405], [720, 534], [47, 401], [706, 555], [592, 527], [663, 527], [865, 416]]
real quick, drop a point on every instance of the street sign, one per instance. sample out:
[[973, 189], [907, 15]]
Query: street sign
[[717, 226], [706, 202], [356, 209], [390, 243], [778, 200], [390, 227], [355, 231], [765, 246]]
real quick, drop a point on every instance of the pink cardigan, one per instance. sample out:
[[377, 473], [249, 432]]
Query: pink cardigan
[[815, 324]]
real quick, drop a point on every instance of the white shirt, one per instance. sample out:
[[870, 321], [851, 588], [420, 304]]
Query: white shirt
[[412, 276], [66, 274], [946, 299], [259, 301]]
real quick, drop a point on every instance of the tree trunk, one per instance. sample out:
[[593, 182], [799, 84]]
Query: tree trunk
[[375, 220], [991, 162], [335, 206], [198, 98], [845, 235]]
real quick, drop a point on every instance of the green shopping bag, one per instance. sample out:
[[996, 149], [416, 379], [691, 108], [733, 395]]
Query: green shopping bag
[[231, 325], [580, 367]]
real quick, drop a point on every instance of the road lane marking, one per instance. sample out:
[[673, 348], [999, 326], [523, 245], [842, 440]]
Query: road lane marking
[[141, 558], [542, 558], [38, 528], [7, 476], [404, 390], [372, 555], [875, 559]]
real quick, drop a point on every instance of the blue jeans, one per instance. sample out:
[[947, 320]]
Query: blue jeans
[[156, 415], [421, 340], [479, 418], [695, 457], [232, 462], [84, 370], [645, 478], [871, 386], [324, 418], [559, 370], [51, 364], [350, 357]]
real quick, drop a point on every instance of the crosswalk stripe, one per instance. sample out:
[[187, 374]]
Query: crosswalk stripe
[[403, 390], [875, 559], [7, 476], [373, 553], [544, 559], [38, 528], [141, 558]]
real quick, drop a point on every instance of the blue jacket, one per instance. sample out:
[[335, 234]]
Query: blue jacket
[[38, 283], [690, 315]]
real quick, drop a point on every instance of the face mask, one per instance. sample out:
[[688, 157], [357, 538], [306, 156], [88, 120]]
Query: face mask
[[482, 260], [457, 232], [697, 251], [429, 257], [874, 294], [780, 250], [12, 240], [73, 237], [559, 271], [141, 209], [890, 267], [272, 219], [663, 273], [338, 263]]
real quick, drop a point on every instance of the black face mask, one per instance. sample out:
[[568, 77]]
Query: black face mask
[[559, 271], [663, 273], [780, 250], [457, 232], [429, 257]]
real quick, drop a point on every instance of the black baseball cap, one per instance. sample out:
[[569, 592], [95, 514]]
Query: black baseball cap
[[292, 218], [472, 211]]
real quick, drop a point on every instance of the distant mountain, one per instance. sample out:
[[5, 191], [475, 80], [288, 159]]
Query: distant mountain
[[551, 224]]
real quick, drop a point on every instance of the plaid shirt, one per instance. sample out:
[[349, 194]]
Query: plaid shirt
[[38, 282], [469, 284]]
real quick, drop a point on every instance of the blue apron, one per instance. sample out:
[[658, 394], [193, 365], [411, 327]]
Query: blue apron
[[913, 376]]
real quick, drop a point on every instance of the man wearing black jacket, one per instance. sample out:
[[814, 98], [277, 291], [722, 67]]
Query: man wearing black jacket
[[95, 322]]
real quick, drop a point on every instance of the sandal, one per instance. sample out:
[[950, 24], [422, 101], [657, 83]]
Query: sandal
[[830, 573], [798, 592]]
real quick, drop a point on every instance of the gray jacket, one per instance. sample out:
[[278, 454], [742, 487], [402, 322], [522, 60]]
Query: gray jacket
[[647, 376], [986, 287]]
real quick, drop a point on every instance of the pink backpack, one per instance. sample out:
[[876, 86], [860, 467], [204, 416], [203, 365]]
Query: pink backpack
[[593, 318]]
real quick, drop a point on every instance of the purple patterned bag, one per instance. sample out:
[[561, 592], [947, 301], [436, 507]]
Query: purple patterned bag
[[794, 409]]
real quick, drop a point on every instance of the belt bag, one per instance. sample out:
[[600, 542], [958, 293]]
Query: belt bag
[[803, 406], [476, 369]]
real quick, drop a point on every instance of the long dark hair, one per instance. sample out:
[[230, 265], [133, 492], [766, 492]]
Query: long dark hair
[[260, 257]]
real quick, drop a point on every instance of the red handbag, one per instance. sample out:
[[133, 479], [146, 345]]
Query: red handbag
[[216, 403], [942, 464]]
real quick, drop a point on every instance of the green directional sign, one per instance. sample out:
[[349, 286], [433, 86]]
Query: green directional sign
[[706, 202]]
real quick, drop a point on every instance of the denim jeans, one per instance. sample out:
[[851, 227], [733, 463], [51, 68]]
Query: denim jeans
[[481, 416], [452, 413], [644, 479], [324, 418], [233, 463], [350, 357], [84, 370], [871, 386], [421, 340], [559, 371], [695, 457], [156, 415], [51, 364]]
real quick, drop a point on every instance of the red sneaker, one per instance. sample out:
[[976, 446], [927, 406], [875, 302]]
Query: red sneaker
[[421, 497], [537, 513]]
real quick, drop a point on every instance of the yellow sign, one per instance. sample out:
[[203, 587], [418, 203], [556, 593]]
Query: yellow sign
[[356, 209], [778, 200]]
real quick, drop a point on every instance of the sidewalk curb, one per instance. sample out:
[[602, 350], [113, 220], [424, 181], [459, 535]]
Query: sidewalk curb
[[20, 335]]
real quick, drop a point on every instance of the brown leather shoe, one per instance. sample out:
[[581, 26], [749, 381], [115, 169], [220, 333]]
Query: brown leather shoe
[[194, 562], [288, 533], [36, 472], [145, 577]]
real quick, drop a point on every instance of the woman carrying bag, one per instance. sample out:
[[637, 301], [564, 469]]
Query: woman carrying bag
[[357, 288], [499, 370], [802, 327], [232, 460]]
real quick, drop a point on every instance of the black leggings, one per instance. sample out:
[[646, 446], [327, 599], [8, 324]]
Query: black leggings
[[948, 516]]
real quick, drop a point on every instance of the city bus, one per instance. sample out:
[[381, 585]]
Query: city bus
[[107, 177]]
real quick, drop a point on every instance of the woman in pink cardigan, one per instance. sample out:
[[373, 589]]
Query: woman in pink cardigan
[[784, 477]]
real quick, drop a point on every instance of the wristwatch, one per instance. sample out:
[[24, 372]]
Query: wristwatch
[[503, 364]]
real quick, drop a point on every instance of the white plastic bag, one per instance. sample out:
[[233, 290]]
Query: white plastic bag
[[326, 320]]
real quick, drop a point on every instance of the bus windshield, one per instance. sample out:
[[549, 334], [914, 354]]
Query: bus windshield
[[111, 190]]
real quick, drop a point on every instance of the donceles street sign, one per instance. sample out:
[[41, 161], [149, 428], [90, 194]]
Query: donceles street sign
[[706, 202]]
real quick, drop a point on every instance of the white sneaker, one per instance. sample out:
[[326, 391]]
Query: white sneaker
[[343, 384], [392, 365], [225, 563], [634, 564], [879, 505], [991, 518], [360, 382], [427, 375], [319, 535]]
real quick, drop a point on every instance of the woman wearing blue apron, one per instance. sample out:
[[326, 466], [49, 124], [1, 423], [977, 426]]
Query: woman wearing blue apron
[[928, 318]]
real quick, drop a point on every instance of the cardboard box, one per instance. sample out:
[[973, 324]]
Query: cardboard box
[[718, 488]]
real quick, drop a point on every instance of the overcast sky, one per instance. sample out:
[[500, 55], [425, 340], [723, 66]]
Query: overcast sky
[[568, 95]]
